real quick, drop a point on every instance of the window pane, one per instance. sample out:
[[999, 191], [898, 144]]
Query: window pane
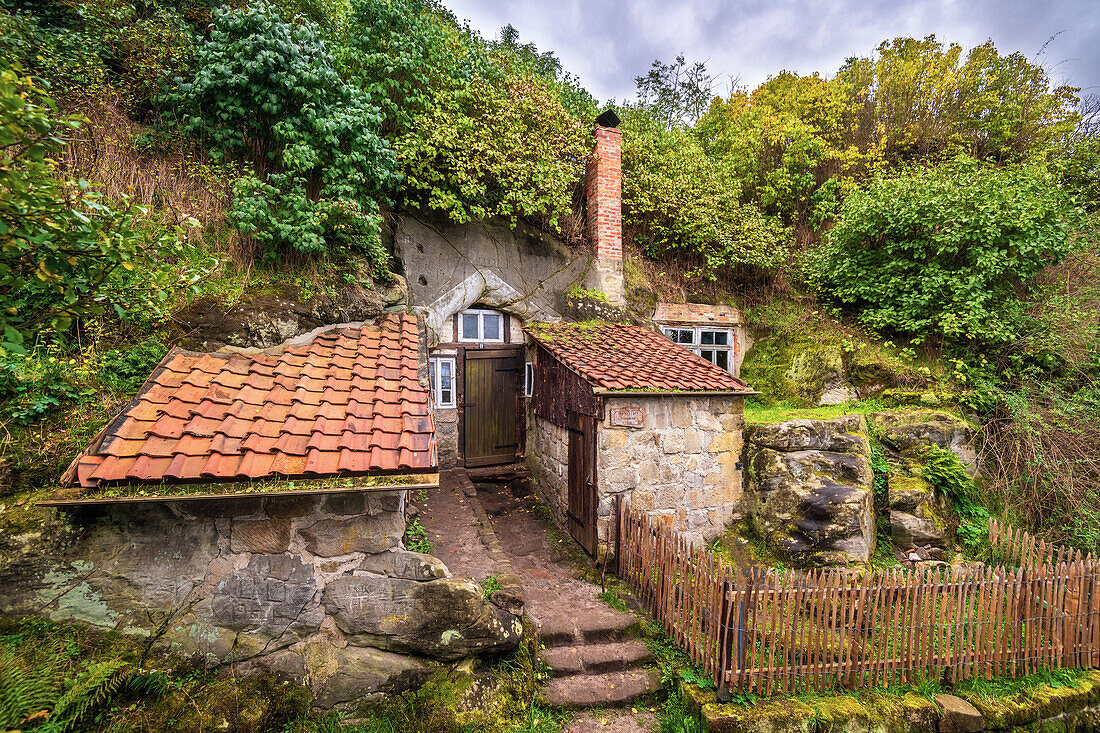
[[706, 338], [722, 338], [722, 359], [490, 325], [707, 354], [468, 327], [682, 335], [445, 369]]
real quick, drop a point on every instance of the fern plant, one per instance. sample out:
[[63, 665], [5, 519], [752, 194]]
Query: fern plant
[[91, 689], [23, 692]]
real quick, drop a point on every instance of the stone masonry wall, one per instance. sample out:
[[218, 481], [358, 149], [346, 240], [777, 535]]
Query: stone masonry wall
[[681, 462], [319, 588], [548, 460]]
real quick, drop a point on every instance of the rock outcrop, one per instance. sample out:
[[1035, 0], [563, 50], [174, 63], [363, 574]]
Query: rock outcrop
[[315, 588], [911, 432], [916, 514], [265, 319], [811, 489]]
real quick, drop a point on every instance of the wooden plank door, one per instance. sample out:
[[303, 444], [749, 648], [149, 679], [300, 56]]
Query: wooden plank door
[[491, 399], [581, 513]]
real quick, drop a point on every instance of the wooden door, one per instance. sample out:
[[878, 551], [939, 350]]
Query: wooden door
[[492, 379], [581, 513]]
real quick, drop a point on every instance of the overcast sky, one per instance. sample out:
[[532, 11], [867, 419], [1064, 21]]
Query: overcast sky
[[609, 42]]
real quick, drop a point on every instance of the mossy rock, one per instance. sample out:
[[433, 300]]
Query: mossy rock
[[766, 365], [909, 492], [1004, 712], [1053, 701], [871, 376], [816, 371]]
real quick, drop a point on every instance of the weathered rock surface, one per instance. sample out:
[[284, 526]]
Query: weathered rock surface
[[845, 434], [406, 565], [912, 432], [249, 583], [819, 376], [811, 484], [445, 619], [262, 320], [916, 514], [958, 716], [332, 537]]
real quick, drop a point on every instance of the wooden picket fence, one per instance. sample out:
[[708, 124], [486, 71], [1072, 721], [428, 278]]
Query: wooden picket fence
[[767, 631]]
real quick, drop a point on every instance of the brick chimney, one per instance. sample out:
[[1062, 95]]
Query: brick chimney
[[604, 187]]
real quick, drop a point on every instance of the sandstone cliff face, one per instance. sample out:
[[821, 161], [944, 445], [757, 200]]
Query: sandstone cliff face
[[320, 589]]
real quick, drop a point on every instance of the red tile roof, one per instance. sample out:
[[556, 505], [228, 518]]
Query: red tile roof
[[697, 314], [349, 402], [613, 356]]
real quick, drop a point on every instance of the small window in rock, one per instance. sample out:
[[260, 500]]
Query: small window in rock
[[481, 326], [529, 380]]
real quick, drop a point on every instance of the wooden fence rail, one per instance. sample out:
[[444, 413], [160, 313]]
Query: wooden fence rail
[[766, 631]]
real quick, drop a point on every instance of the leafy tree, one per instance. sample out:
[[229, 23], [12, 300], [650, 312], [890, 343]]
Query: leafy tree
[[268, 91], [65, 252], [677, 201], [941, 253], [790, 145], [676, 93]]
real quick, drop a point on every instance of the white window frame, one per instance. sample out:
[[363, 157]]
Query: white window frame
[[436, 375], [528, 379], [697, 347], [480, 313]]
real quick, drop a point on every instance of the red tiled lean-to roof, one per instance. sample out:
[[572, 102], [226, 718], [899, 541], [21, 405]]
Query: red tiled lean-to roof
[[349, 402], [613, 356]]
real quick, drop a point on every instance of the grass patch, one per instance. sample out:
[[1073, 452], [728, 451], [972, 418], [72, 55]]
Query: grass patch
[[757, 411], [613, 599]]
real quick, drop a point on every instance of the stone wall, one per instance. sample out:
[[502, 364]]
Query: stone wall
[[681, 460], [548, 460], [1073, 708], [319, 588]]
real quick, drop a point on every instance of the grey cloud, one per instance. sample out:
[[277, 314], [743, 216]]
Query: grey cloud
[[607, 44]]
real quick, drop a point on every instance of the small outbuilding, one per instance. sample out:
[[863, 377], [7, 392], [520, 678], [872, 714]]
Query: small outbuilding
[[618, 410]]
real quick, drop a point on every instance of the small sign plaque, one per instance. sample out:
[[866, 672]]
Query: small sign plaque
[[628, 417]]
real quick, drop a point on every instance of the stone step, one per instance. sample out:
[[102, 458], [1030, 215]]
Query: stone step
[[554, 631], [607, 689], [590, 658]]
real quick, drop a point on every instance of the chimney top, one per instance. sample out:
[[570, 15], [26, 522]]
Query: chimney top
[[608, 119]]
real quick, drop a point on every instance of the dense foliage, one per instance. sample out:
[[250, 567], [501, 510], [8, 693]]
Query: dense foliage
[[267, 91], [941, 253], [65, 252]]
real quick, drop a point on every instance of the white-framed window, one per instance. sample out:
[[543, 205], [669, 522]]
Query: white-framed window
[[481, 326], [441, 372], [713, 344], [528, 379]]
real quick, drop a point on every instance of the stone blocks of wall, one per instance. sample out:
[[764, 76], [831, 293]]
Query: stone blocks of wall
[[548, 461], [319, 588], [682, 461]]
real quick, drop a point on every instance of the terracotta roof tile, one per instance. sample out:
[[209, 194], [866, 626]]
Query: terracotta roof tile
[[613, 356], [349, 401]]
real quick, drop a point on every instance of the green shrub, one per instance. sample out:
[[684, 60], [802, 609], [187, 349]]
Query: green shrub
[[940, 253], [267, 91]]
